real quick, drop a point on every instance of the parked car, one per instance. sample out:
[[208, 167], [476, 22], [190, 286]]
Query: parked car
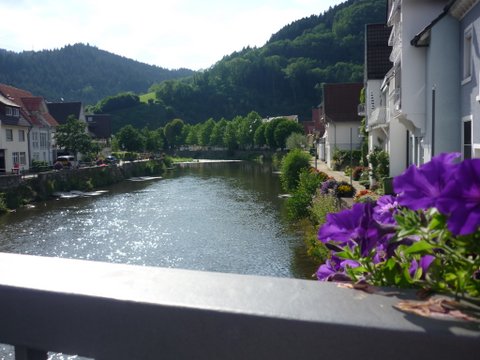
[[66, 160], [111, 159]]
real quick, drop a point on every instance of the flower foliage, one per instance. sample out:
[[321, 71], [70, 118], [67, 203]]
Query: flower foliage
[[427, 236]]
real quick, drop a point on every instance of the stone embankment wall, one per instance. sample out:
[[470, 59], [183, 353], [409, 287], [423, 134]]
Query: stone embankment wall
[[9, 181], [20, 189]]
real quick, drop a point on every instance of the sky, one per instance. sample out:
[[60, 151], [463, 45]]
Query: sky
[[173, 34]]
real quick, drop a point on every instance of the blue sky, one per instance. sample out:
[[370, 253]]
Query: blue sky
[[173, 34]]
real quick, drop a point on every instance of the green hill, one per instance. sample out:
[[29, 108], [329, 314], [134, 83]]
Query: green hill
[[79, 73], [284, 76]]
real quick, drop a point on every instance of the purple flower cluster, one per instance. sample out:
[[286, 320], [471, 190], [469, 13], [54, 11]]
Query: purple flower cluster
[[452, 188], [367, 226], [327, 185]]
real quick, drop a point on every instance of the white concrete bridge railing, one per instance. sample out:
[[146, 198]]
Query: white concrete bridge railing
[[112, 311]]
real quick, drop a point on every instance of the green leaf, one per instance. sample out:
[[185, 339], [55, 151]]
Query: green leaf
[[419, 247]]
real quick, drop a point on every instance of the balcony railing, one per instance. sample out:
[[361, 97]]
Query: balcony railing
[[113, 311], [378, 117], [361, 109]]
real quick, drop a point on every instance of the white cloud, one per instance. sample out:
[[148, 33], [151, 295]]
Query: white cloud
[[182, 33]]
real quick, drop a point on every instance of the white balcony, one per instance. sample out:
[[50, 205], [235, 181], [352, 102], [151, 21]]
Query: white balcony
[[361, 110], [377, 118]]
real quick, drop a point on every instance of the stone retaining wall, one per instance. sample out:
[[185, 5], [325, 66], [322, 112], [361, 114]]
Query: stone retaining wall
[[9, 181], [28, 188]]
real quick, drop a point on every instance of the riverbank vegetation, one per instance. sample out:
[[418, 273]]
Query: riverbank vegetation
[[240, 133], [313, 195]]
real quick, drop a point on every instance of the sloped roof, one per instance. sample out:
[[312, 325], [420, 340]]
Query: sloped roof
[[33, 103], [14, 93], [377, 51], [100, 125], [341, 101], [4, 100], [30, 106], [50, 119], [61, 111]]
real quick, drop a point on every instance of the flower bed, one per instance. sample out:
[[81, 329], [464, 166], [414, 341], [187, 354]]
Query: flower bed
[[428, 236]]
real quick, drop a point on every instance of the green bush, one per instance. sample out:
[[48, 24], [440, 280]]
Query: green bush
[[298, 205], [292, 165], [3, 204], [316, 250], [39, 166], [322, 205], [341, 158], [380, 162]]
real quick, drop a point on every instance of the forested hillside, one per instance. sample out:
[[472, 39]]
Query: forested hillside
[[283, 77], [79, 73]]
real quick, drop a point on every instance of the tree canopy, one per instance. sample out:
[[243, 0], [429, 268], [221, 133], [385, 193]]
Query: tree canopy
[[73, 137]]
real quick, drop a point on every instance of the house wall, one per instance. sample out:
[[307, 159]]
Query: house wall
[[415, 16], [41, 150], [397, 147], [338, 137], [14, 146], [442, 73], [470, 89]]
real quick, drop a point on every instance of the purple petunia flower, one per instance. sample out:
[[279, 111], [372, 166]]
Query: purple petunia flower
[[419, 188], [353, 227], [460, 200], [334, 269], [424, 264], [342, 227], [386, 207]]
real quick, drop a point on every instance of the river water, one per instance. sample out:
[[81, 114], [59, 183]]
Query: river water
[[224, 217], [221, 216]]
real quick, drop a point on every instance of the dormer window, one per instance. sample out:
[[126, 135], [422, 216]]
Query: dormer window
[[12, 111]]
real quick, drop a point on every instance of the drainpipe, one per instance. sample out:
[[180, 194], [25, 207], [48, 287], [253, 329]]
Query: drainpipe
[[433, 120], [28, 145]]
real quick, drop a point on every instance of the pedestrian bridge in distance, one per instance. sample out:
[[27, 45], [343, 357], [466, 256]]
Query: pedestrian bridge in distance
[[114, 311]]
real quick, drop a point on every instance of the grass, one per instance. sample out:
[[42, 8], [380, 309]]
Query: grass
[[145, 97], [181, 159]]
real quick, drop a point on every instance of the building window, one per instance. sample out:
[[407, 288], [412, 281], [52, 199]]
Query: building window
[[8, 111], [467, 139], [35, 140], [36, 156], [16, 158], [467, 55], [21, 135], [43, 140], [16, 112], [9, 134], [19, 158], [23, 158]]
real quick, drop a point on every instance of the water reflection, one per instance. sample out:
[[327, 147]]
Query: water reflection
[[223, 217]]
